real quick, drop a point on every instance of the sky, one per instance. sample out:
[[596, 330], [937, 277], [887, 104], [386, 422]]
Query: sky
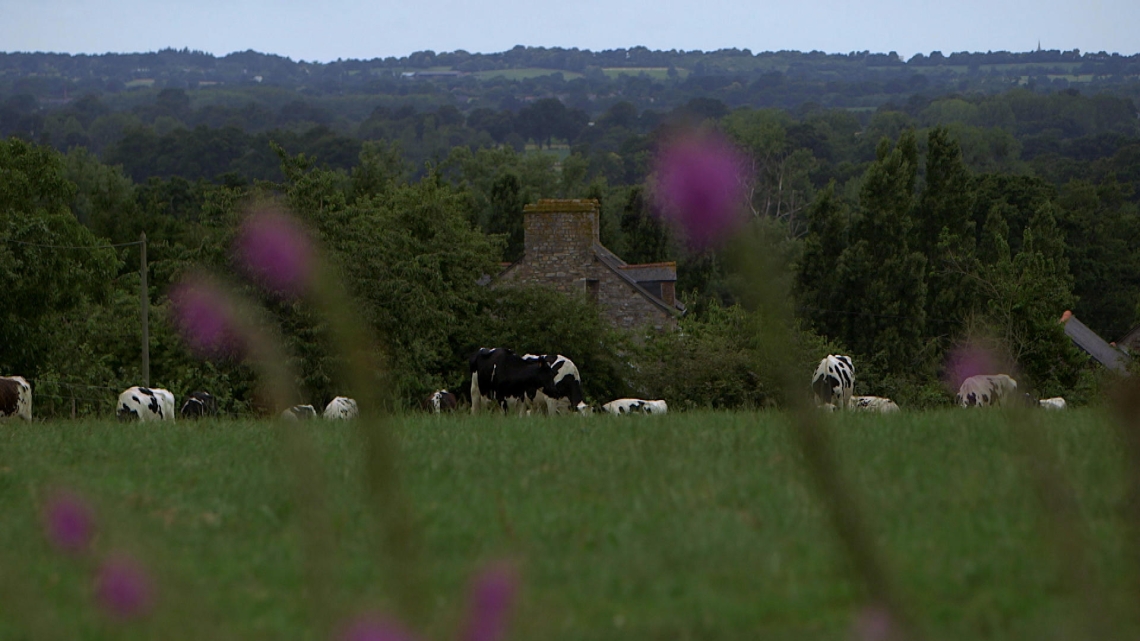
[[332, 29]]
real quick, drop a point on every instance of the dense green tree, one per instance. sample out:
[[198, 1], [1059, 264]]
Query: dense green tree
[[945, 234], [645, 238], [412, 262], [1102, 230], [817, 289], [50, 263], [881, 276], [1020, 296]]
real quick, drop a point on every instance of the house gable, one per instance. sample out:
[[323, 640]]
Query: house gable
[[562, 251]]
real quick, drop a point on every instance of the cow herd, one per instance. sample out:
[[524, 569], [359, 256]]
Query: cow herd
[[503, 381], [833, 385]]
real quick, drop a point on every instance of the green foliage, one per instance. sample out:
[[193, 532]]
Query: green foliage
[[904, 277], [49, 262], [881, 277], [645, 237], [719, 358], [708, 363], [945, 234], [1102, 233], [412, 261], [1021, 297]]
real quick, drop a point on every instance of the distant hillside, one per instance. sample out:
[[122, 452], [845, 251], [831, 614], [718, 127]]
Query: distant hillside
[[582, 79]]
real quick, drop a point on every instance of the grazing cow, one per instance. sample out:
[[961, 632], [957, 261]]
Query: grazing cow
[[1055, 403], [635, 406], [509, 381], [145, 404], [985, 389], [834, 382], [199, 404], [441, 401], [567, 385], [873, 404], [341, 408], [299, 413], [15, 397]]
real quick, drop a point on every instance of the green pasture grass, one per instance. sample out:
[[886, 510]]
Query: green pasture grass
[[696, 525]]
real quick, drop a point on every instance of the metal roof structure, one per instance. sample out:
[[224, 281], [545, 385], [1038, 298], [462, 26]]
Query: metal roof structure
[[1094, 345]]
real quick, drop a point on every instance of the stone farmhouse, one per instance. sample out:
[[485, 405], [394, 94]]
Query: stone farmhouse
[[562, 251]]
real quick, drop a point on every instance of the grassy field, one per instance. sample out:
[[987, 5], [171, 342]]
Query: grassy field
[[525, 73], [687, 526], [657, 73]]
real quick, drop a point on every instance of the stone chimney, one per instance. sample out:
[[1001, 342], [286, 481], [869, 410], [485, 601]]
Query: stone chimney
[[560, 227]]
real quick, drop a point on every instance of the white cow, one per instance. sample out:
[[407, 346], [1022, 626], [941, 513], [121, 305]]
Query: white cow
[[985, 389], [145, 404], [15, 397], [299, 413], [340, 408], [635, 406], [834, 382], [873, 404], [567, 386], [1055, 403]]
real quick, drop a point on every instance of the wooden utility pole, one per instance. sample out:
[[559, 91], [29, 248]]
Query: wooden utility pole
[[145, 311]]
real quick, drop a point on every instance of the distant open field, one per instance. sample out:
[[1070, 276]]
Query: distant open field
[[686, 526], [657, 73], [525, 73]]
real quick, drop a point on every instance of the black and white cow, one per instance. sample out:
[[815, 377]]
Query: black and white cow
[[15, 397], [341, 408], [834, 382], [635, 406], [503, 379], [299, 413], [145, 404], [873, 404], [441, 401], [985, 389], [199, 404], [567, 386]]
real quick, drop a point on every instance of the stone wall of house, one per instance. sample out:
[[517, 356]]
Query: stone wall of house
[[559, 244], [624, 305]]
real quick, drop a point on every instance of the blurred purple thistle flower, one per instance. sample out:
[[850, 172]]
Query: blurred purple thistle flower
[[492, 594], [700, 187], [966, 361], [873, 623], [69, 522], [205, 318], [124, 588], [275, 250], [374, 627]]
